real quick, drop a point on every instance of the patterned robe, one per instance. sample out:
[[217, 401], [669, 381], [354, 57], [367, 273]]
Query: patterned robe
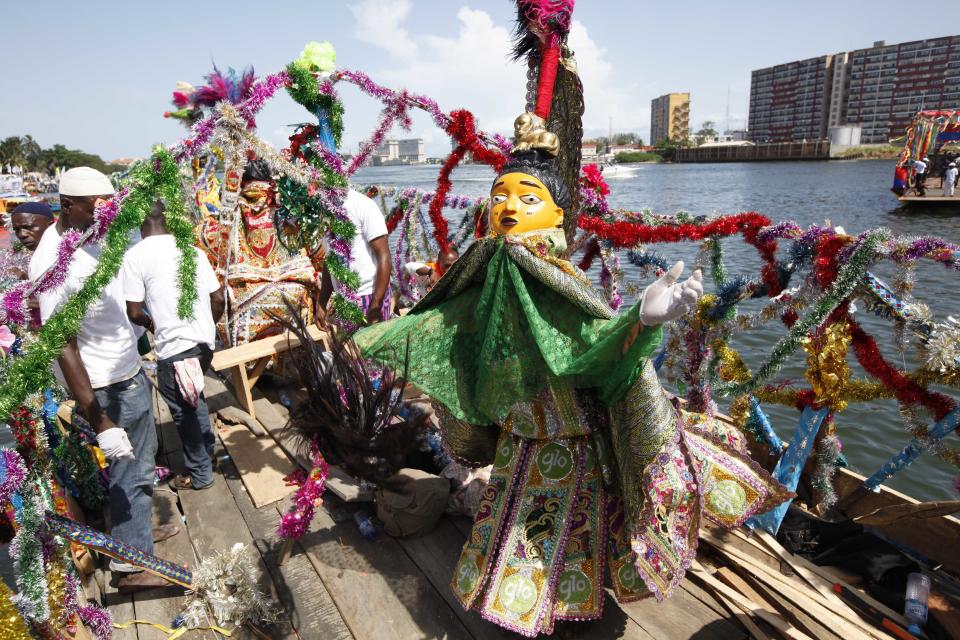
[[596, 472]]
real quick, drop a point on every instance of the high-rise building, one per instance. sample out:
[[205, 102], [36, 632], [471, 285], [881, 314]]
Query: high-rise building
[[410, 151], [890, 83], [879, 89], [789, 102], [670, 118]]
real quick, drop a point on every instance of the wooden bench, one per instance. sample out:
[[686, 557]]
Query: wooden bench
[[258, 352]]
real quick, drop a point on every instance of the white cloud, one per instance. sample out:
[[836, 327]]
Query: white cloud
[[379, 22], [473, 69]]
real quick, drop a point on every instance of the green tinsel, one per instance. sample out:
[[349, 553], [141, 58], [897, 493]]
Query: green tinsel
[[349, 311], [847, 280], [343, 274], [76, 459], [27, 551], [182, 231], [716, 263], [31, 371]]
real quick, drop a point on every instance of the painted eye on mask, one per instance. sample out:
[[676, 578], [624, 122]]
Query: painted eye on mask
[[498, 199], [530, 199]]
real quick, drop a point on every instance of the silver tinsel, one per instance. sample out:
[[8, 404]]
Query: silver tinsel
[[942, 351], [227, 584]]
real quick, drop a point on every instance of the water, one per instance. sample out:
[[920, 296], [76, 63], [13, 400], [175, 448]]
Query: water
[[853, 194]]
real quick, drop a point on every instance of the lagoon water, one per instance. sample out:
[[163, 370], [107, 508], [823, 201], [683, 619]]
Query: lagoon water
[[854, 194]]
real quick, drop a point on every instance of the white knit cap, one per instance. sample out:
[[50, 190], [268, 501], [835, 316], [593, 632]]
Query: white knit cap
[[84, 181]]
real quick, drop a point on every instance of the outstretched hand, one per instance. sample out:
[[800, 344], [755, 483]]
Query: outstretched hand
[[666, 299]]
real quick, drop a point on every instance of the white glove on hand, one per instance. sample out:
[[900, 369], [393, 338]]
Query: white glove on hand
[[666, 299], [115, 444]]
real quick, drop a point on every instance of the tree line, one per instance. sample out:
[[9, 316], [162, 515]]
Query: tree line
[[26, 152]]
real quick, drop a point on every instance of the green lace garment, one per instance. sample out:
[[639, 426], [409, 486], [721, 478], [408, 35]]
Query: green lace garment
[[502, 325]]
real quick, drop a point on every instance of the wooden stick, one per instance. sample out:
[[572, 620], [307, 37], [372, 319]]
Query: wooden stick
[[782, 627], [841, 616], [828, 579], [752, 628]]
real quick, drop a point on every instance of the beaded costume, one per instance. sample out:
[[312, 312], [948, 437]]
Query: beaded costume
[[594, 469]]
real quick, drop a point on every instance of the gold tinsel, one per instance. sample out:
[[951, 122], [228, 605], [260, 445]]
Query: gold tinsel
[[731, 367], [827, 368], [12, 625]]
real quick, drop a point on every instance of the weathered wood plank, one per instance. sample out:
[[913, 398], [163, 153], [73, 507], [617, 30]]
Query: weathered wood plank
[[120, 605], [309, 607], [215, 524], [260, 462], [164, 604], [681, 616], [379, 591], [435, 553]]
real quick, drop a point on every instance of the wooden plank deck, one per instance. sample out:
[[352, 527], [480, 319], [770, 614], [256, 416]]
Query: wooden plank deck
[[337, 585]]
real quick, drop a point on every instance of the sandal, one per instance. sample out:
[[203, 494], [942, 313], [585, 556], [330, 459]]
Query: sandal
[[178, 483]]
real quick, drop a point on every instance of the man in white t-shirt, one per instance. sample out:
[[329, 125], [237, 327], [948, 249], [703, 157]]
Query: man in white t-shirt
[[369, 257], [101, 368], [184, 347]]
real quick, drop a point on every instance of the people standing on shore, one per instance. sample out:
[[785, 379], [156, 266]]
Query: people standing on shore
[[369, 258], [184, 347], [100, 367], [920, 175], [950, 179]]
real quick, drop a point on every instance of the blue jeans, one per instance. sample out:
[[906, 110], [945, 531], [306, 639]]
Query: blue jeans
[[193, 424], [130, 405]]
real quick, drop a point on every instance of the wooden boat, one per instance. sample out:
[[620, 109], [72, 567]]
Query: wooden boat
[[334, 583], [935, 135]]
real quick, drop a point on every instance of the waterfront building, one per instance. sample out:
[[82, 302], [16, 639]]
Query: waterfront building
[[878, 89], [890, 83], [588, 152], [670, 118], [789, 102], [388, 152]]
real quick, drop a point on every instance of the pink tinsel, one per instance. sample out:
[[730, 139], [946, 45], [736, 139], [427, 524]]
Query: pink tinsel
[[14, 473], [394, 110], [307, 498], [99, 621]]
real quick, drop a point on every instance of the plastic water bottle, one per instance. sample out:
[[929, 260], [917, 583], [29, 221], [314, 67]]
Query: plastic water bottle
[[915, 605], [369, 530]]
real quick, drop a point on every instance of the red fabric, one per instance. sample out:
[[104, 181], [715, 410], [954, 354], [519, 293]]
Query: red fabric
[[548, 77]]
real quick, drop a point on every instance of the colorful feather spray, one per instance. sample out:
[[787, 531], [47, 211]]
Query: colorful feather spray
[[230, 86]]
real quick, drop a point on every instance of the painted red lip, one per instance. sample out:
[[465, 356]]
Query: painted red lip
[[508, 221]]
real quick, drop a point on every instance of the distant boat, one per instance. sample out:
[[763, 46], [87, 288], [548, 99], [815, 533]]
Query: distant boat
[[620, 170], [935, 135]]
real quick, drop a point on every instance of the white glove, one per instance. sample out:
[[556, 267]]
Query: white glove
[[115, 444], [666, 299]]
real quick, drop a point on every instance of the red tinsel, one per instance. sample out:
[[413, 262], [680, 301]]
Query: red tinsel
[[396, 215], [464, 132], [23, 426], [629, 234], [907, 391], [825, 263]]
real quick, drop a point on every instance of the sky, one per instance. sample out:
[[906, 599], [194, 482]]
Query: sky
[[98, 75]]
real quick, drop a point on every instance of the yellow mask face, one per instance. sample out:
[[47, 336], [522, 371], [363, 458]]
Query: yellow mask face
[[519, 203]]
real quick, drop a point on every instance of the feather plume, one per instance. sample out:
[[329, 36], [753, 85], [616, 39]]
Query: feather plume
[[540, 21], [358, 422]]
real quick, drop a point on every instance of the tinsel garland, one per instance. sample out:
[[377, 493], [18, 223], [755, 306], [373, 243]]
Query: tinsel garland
[[462, 129], [827, 368], [827, 459], [307, 498], [841, 288], [906, 390], [31, 371], [227, 584], [12, 624], [27, 551], [610, 275], [12, 473]]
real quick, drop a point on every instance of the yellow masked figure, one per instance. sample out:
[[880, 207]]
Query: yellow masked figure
[[596, 475], [519, 203]]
